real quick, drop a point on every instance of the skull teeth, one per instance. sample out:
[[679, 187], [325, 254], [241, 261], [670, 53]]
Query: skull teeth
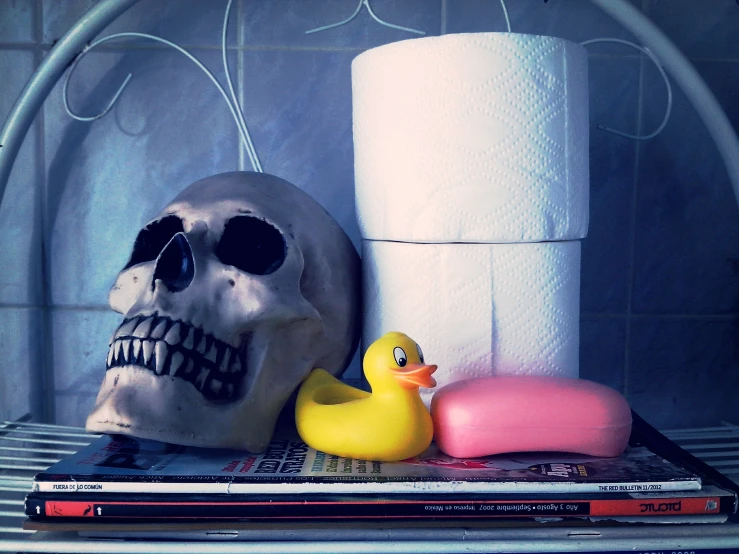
[[127, 328], [143, 328], [126, 350], [176, 363], [202, 377], [167, 347], [189, 341], [223, 366], [136, 349], [160, 352], [212, 354], [148, 351], [173, 335], [159, 330]]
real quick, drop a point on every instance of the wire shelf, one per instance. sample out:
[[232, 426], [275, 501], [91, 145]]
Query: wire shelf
[[26, 448], [717, 446]]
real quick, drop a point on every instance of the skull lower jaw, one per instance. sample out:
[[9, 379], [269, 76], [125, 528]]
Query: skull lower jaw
[[135, 401]]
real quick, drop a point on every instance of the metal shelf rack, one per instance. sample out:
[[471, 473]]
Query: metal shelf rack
[[26, 448]]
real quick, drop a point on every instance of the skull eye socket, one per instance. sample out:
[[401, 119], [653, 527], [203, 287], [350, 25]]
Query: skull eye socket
[[252, 245], [152, 239]]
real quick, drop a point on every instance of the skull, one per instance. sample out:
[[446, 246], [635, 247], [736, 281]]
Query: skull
[[232, 295]]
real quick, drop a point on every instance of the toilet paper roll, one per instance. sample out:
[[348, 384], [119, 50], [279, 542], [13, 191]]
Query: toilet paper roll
[[472, 138], [477, 309]]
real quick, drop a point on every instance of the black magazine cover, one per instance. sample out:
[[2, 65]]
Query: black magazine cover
[[710, 500]]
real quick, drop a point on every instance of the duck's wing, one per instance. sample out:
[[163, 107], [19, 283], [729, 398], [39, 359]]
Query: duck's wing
[[326, 413], [323, 388]]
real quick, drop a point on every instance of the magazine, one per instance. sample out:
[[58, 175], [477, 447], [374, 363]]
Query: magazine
[[710, 500], [121, 464], [376, 534]]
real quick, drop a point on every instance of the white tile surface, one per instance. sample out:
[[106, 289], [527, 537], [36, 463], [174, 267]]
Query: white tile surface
[[299, 106], [16, 20], [107, 178], [72, 409], [20, 220], [192, 22], [20, 354], [80, 339]]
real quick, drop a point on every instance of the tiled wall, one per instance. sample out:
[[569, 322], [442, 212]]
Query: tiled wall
[[660, 282]]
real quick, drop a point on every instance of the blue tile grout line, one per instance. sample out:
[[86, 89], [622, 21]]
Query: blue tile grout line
[[49, 399], [58, 307], [31, 46], [668, 316], [42, 398], [442, 30], [632, 230], [240, 85], [110, 47], [583, 315]]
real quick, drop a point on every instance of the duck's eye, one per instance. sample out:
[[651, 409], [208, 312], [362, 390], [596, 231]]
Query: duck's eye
[[400, 357], [420, 354]]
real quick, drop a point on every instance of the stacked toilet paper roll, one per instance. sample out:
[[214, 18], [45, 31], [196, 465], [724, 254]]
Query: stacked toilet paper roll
[[471, 172]]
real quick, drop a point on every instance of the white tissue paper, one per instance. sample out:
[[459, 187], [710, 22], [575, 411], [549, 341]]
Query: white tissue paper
[[477, 309], [477, 137]]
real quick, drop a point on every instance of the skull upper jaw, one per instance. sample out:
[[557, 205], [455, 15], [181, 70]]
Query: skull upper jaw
[[135, 401]]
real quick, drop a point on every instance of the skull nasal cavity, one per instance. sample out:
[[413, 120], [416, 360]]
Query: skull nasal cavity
[[153, 238], [251, 245], [175, 266]]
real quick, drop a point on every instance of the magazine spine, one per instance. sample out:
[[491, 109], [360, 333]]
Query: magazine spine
[[320, 486], [474, 509]]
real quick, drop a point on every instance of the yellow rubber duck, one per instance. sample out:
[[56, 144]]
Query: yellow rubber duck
[[391, 423]]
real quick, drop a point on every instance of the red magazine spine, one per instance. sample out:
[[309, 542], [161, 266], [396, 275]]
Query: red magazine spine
[[448, 509]]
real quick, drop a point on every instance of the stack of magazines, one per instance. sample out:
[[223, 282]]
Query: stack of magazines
[[120, 480]]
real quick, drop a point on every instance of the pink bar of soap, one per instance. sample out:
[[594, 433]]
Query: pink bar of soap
[[492, 415]]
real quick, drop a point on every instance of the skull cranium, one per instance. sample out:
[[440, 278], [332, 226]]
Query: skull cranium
[[239, 288]]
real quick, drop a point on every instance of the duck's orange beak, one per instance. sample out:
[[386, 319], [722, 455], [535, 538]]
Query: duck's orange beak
[[413, 376]]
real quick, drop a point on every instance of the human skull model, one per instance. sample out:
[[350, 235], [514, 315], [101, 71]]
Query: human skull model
[[232, 295]]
